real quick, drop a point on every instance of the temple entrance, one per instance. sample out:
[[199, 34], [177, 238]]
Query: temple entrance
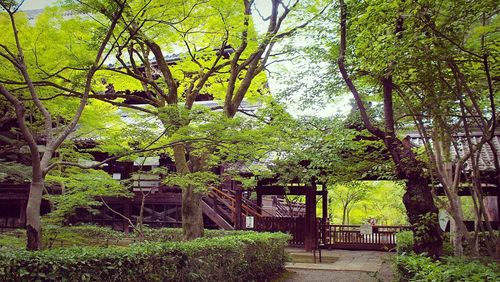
[[333, 236]]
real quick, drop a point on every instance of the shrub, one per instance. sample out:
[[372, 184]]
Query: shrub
[[250, 256], [175, 234], [421, 268], [404, 242]]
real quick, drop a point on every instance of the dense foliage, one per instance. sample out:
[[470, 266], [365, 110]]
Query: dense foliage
[[244, 257], [379, 200], [412, 267], [422, 268], [90, 235], [404, 242]]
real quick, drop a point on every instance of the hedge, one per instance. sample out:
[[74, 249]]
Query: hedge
[[99, 236], [175, 234], [421, 268], [243, 257]]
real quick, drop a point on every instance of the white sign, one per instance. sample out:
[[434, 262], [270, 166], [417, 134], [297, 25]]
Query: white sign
[[366, 229], [249, 222], [444, 218]]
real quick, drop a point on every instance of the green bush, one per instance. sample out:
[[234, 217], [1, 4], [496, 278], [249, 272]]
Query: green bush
[[57, 236], [421, 268], [175, 234], [404, 242], [250, 256]]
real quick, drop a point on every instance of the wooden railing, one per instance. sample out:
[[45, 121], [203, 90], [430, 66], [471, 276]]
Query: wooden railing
[[349, 237], [289, 209], [228, 198], [7, 223]]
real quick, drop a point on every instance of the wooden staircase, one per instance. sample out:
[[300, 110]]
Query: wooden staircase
[[221, 206], [289, 209]]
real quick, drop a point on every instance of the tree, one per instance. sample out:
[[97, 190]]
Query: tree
[[446, 85], [221, 55], [30, 80], [422, 211], [382, 202], [425, 63], [349, 195]]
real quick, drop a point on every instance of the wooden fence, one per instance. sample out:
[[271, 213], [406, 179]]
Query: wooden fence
[[294, 226], [333, 236], [382, 238]]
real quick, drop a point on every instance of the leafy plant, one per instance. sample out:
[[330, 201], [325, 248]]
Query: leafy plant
[[404, 242], [225, 258], [421, 268]]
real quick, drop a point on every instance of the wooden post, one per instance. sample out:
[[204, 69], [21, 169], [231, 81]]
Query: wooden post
[[259, 202], [325, 212], [325, 203], [310, 233], [498, 207], [237, 210]]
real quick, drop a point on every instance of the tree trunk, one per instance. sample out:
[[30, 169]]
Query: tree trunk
[[33, 222], [192, 214], [423, 215], [344, 213], [456, 225]]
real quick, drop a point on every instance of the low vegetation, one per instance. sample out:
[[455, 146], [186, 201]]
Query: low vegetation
[[223, 258], [413, 267]]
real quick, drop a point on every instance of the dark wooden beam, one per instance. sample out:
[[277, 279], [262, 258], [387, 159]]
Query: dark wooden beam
[[259, 202], [283, 190], [237, 209], [488, 190], [324, 210], [310, 219]]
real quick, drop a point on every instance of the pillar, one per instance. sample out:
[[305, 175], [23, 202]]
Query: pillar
[[259, 202], [237, 209], [310, 232], [324, 220]]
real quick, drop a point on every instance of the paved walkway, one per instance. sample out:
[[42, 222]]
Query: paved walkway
[[339, 265]]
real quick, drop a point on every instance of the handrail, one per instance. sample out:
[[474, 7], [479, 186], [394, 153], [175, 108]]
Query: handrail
[[244, 207], [285, 209], [252, 205]]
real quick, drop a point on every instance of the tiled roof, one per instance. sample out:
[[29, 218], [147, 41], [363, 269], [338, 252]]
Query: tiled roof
[[486, 159]]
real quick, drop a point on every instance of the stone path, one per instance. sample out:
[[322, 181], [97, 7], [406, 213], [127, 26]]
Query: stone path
[[339, 265]]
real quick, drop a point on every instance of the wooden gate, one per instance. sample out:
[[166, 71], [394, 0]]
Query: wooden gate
[[383, 238], [333, 236], [295, 226]]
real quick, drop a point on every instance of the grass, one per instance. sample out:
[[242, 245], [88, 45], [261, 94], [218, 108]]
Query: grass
[[57, 237]]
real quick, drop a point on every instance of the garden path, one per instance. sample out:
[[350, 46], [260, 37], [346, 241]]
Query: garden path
[[339, 265]]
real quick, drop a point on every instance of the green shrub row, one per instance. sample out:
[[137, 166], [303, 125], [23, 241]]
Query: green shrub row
[[404, 243], [422, 268], [56, 236], [175, 234], [252, 256], [99, 236]]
